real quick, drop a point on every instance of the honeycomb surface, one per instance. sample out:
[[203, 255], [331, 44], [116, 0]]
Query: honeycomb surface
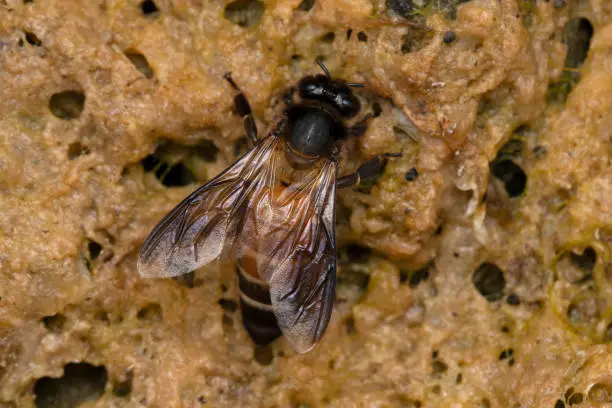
[[474, 272]]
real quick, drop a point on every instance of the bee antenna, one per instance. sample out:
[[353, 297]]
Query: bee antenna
[[355, 85], [324, 69]]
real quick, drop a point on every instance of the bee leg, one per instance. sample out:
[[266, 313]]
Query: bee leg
[[360, 127], [288, 96], [244, 110], [370, 168]]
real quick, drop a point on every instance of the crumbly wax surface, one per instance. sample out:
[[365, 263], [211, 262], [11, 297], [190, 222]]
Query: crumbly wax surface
[[474, 272]]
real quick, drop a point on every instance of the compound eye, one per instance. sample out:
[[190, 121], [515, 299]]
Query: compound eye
[[310, 88], [347, 104]]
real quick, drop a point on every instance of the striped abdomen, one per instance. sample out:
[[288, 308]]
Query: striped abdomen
[[257, 315]]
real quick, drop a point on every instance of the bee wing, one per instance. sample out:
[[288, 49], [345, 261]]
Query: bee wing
[[203, 227], [296, 253]]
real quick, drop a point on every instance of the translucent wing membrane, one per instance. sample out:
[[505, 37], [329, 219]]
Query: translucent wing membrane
[[290, 233], [204, 226], [286, 232]]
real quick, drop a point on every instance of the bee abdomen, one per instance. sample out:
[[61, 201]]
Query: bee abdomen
[[257, 315]]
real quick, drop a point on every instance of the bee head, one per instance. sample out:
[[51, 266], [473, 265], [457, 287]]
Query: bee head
[[333, 92]]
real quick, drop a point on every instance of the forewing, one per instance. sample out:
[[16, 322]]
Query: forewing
[[297, 256], [203, 227]]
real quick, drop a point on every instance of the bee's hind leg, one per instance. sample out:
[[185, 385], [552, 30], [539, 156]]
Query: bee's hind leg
[[244, 110], [368, 169]]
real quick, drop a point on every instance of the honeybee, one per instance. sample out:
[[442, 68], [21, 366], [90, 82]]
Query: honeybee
[[273, 213]]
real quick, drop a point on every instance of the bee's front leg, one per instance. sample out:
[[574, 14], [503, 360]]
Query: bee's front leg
[[370, 168], [244, 110], [359, 128]]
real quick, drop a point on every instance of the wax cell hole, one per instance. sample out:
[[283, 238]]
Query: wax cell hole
[[151, 312], [102, 316], [415, 40], [403, 8], [414, 277], [245, 13], [513, 300], [54, 323], [376, 109], [586, 260], [507, 353], [76, 149], [241, 146], [354, 278], [608, 333], [207, 150], [449, 37], [514, 147], [67, 105], [411, 174], [263, 355], [349, 325], [148, 7], [187, 280], [600, 392], [32, 39], [228, 323], [577, 266], [419, 276], [93, 249], [306, 5], [328, 38], [438, 368], [577, 35], [485, 403], [140, 63], [176, 175], [409, 403], [228, 305], [576, 399], [358, 253], [512, 175], [539, 151], [123, 387], [80, 383], [489, 280]]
